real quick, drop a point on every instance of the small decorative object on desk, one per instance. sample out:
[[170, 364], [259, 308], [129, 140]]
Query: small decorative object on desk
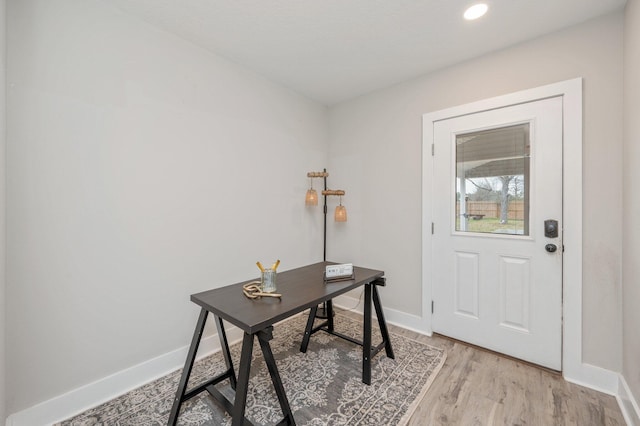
[[253, 291], [266, 286], [268, 277], [338, 272]]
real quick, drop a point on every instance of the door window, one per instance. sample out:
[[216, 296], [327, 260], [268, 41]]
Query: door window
[[492, 181]]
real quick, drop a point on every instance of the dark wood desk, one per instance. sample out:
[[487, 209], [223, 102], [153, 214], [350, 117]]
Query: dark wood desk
[[301, 289]]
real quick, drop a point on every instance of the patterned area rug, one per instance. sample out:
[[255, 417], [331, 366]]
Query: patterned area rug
[[323, 386]]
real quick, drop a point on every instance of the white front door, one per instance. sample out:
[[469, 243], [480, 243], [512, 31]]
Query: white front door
[[497, 186]]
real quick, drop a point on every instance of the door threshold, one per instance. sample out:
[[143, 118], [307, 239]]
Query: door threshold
[[512, 358]]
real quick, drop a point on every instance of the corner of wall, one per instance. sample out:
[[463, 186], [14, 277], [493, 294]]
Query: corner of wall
[[630, 376], [3, 134], [628, 404]]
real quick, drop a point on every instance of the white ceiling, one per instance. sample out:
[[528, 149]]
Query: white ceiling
[[334, 50]]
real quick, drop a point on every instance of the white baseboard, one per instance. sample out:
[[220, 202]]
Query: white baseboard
[[88, 396], [628, 404], [392, 316], [593, 377]]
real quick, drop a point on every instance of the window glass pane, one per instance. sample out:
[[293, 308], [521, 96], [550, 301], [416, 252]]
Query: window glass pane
[[492, 181]]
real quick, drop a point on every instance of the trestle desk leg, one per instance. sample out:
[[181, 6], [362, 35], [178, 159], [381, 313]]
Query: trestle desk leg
[[188, 365], [224, 344], [382, 323], [308, 329], [242, 386], [366, 341], [330, 315], [263, 337]]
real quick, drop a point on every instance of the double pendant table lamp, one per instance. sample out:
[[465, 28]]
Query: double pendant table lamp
[[340, 214]]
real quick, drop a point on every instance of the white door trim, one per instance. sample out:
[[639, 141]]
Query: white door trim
[[573, 369]]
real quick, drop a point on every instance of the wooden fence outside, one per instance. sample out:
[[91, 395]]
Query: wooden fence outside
[[491, 209]]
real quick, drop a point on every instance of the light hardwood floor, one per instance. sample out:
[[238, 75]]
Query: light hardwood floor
[[480, 387]]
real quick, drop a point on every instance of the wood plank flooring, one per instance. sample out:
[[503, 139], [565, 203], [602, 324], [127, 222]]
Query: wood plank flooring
[[480, 387]]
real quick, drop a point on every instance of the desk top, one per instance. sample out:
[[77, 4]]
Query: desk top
[[301, 289]]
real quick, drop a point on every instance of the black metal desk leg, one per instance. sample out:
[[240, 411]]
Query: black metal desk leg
[[240, 402], [263, 337], [188, 365], [366, 341], [382, 323], [308, 329], [330, 314], [224, 345]]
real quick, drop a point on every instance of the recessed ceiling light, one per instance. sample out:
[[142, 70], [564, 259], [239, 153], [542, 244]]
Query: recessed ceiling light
[[475, 11]]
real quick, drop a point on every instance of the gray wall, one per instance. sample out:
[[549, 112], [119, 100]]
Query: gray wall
[[631, 246], [3, 414], [141, 169], [375, 147]]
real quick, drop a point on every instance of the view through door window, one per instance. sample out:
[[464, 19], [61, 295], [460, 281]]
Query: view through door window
[[492, 181]]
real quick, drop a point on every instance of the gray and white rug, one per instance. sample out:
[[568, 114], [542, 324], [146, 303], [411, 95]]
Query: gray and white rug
[[323, 386]]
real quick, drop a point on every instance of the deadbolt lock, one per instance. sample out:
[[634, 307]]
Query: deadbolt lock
[[551, 228]]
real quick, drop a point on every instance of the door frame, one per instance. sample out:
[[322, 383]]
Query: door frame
[[573, 369]]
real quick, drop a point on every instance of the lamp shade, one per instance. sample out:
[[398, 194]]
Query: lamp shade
[[312, 198], [340, 214]]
